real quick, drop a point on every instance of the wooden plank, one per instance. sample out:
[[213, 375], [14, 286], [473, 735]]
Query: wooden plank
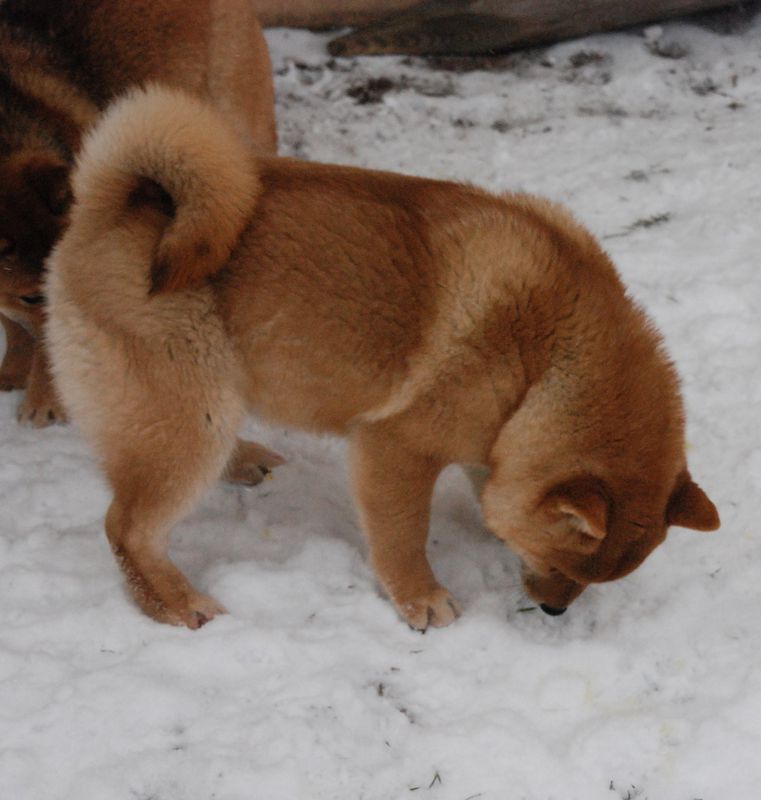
[[319, 14], [466, 27]]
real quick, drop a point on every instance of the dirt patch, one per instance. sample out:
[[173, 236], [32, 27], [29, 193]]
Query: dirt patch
[[374, 89]]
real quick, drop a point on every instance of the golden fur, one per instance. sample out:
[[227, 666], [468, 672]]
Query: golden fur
[[431, 323], [60, 64]]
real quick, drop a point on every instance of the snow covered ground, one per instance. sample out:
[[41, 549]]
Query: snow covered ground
[[311, 688]]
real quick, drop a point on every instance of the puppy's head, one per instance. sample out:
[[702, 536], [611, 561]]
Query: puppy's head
[[596, 521], [585, 531], [34, 204]]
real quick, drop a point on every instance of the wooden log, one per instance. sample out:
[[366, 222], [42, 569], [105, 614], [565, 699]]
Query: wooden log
[[469, 27], [319, 14]]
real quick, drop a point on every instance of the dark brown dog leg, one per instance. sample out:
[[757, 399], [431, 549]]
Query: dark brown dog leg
[[19, 348], [250, 463], [393, 488], [40, 406]]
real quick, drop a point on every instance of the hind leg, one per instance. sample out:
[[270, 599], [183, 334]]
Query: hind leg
[[157, 480]]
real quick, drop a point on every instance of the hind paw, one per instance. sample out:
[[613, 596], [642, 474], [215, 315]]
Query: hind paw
[[189, 608], [199, 610]]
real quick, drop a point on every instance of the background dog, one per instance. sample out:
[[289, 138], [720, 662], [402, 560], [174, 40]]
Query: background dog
[[60, 64], [431, 323]]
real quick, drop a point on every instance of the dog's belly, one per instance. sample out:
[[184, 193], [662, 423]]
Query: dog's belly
[[314, 353], [299, 384]]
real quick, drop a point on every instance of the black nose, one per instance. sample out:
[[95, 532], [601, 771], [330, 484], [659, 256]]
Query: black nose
[[551, 610]]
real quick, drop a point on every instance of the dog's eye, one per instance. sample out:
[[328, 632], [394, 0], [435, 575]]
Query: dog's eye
[[7, 246], [32, 299]]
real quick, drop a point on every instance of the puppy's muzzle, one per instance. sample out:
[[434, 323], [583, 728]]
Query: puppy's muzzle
[[551, 610]]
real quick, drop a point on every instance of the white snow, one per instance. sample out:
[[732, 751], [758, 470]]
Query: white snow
[[311, 688]]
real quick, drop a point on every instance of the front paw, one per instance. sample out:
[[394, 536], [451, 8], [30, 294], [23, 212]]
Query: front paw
[[251, 463], [9, 381], [40, 410], [436, 608]]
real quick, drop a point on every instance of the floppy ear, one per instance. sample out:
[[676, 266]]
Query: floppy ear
[[583, 500], [689, 507]]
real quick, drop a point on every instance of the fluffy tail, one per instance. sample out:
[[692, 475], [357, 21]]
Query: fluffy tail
[[162, 149]]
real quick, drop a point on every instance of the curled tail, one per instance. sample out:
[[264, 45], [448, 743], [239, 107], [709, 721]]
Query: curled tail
[[161, 149]]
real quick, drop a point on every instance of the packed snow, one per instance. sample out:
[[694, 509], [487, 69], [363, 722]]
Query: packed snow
[[311, 688]]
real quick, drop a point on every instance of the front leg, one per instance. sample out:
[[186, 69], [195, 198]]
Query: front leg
[[393, 487], [40, 406], [19, 348]]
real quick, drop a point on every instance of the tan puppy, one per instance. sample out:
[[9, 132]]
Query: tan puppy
[[60, 64], [431, 323]]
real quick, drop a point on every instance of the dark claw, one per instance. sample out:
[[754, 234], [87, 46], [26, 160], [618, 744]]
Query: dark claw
[[427, 624]]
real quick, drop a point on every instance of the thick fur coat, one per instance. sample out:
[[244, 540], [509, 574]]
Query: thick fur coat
[[431, 323], [61, 63]]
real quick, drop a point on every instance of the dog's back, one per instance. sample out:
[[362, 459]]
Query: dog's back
[[460, 282]]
